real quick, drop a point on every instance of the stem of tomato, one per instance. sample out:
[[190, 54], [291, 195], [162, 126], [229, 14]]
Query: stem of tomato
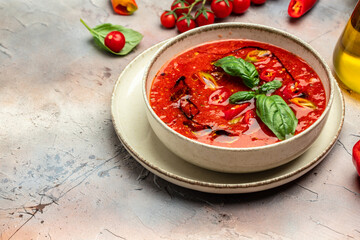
[[203, 3], [189, 7], [192, 5], [179, 8]]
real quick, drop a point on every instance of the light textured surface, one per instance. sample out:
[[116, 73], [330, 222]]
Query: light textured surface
[[65, 175]]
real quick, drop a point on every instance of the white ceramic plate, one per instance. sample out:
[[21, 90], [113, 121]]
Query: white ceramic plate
[[134, 131]]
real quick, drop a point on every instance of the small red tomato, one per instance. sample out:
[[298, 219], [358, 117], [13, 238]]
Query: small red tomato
[[240, 6], [180, 4], [356, 156], [221, 8], [168, 19], [204, 17], [268, 75], [185, 23], [258, 2], [115, 41]]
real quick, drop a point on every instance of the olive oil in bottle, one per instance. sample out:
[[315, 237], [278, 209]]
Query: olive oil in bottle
[[346, 57]]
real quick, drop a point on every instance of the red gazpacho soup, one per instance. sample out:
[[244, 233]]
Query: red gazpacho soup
[[237, 93]]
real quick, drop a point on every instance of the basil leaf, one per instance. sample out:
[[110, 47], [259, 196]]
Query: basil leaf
[[240, 68], [277, 115], [132, 38], [269, 86], [241, 96]]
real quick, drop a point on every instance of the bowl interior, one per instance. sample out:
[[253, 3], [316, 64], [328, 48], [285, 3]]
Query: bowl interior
[[255, 32], [239, 31]]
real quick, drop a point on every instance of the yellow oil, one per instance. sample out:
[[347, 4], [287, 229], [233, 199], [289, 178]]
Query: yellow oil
[[346, 55]]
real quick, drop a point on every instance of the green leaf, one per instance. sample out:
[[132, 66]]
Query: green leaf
[[270, 86], [226, 1], [277, 115], [241, 96], [240, 68], [132, 38], [187, 18], [203, 11]]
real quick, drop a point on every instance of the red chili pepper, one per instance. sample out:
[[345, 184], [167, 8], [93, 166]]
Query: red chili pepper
[[234, 111], [268, 75], [356, 156], [248, 115], [220, 97], [297, 8], [124, 7]]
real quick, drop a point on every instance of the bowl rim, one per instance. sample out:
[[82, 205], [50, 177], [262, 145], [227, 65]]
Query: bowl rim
[[225, 26]]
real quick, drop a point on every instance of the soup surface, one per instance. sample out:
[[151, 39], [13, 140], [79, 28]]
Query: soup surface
[[191, 93]]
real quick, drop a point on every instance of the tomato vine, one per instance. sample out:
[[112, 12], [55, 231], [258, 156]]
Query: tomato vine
[[206, 12]]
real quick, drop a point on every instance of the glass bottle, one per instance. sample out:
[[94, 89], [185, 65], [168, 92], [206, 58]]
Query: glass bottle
[[346, 57]]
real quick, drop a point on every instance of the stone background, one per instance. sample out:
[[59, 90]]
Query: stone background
[[65, 175]]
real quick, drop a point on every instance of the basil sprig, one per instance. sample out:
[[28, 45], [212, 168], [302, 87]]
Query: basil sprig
[[132, 38], [238, 67], [269, 86], [272, 110], [241, 96], [248, 95], [277, 115]]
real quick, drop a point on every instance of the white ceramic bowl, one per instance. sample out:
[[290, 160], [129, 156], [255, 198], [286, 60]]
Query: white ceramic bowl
[[237, 160]]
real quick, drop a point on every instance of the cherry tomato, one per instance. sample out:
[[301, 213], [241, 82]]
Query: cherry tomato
[[268, 75], [180, 4], [204, 17], [258, 2], [221, 8], [220, 97], [356, 156], [240, 6], [185, 23], [115, 41], [168, 19]]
